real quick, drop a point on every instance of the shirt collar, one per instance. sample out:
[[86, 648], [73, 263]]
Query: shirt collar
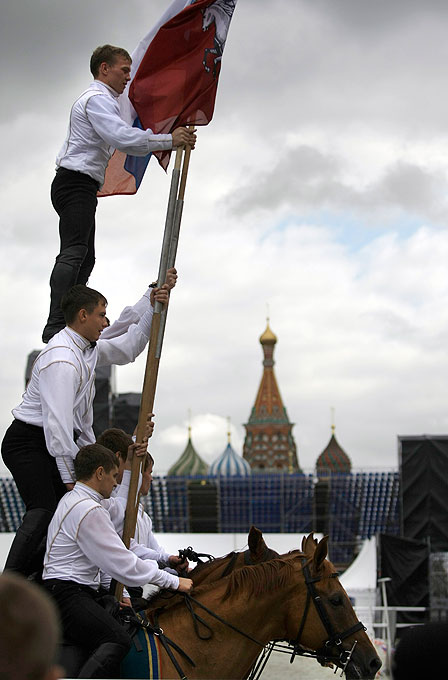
[[107, 88], [79, 340], [91, 492]]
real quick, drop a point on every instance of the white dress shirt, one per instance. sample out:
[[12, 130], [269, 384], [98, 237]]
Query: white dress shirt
[[82, 539], [59, 395], [96, 129]]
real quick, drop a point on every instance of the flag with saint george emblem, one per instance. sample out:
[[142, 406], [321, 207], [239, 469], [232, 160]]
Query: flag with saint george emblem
[[174, 79]]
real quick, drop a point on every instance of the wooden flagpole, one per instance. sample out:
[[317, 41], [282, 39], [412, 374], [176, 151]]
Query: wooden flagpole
[[175, 236], [167, 260]]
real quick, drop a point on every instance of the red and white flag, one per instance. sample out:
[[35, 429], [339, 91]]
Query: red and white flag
[[174, 78]]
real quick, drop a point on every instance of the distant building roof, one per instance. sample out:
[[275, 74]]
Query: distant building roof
[[269, 444], [190, 463], [333, 458], [230, 464]]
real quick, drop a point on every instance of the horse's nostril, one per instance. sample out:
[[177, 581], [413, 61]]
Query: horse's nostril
[[375, 663]]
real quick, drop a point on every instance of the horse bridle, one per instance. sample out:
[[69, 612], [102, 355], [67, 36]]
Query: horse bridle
[[335, 638], [323, 655]]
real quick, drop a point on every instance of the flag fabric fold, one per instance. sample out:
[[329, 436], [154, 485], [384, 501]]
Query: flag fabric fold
[[174, 78]]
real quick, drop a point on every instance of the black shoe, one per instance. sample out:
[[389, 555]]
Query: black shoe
[[49, 331], [105, 661]]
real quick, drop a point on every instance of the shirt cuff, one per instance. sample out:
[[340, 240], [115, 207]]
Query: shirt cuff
[[66, 469]]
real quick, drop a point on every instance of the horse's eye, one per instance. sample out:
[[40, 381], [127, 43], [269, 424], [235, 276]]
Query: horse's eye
[[336, 600]]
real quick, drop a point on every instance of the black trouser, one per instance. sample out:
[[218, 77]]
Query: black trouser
[[39, 483], [86, 623], [73, 195]]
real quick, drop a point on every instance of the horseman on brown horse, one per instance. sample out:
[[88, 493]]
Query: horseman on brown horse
[[219, 631]]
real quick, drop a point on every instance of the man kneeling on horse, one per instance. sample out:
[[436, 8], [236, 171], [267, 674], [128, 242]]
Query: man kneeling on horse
[[82, 541]]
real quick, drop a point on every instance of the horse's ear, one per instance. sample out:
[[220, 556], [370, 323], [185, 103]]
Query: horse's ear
[[320, 553], [308, 545], [256, 543]]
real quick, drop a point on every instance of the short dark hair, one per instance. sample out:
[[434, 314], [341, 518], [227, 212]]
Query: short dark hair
[[80, 297], [90, 458], [115, 440], [109, 54], [29, 629]]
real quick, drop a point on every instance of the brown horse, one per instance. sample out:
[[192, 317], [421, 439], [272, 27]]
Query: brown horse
[[296, 597]]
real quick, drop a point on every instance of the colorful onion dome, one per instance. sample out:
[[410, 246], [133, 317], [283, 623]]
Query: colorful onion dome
[[190, 463], [230, 464], [333, 458]]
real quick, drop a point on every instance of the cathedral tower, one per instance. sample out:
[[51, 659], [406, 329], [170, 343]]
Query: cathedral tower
[[269, 445]]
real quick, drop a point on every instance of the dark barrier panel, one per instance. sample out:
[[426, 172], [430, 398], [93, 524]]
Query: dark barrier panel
[[203, 506], [406, 562], [126, 408], [31, 358], [424, 489], [103, 400]]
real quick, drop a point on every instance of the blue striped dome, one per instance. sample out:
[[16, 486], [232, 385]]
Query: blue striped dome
[[230, 464]]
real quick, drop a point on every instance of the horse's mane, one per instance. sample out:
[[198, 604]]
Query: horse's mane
[[270, 575], [259, 578]]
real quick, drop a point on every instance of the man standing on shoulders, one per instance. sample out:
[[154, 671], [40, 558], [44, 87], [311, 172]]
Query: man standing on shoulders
[[56, 415], [81, 540], [95, 130]]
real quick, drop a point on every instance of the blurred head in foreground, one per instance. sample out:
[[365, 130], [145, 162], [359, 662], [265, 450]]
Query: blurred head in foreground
[[29, 631]]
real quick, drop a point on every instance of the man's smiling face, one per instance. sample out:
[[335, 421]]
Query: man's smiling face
[[94, 322]]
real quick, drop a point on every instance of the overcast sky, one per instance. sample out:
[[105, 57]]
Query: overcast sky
[[319, 189]]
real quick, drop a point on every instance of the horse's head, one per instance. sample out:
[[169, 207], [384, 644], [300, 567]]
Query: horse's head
[[208, 18], [327, 623]]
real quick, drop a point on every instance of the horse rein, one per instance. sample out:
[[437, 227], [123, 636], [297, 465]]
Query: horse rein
[[167, 643], [335, 639], [189, 553]]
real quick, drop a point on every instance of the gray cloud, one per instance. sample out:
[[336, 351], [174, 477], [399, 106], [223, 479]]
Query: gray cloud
[[306, 179]]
